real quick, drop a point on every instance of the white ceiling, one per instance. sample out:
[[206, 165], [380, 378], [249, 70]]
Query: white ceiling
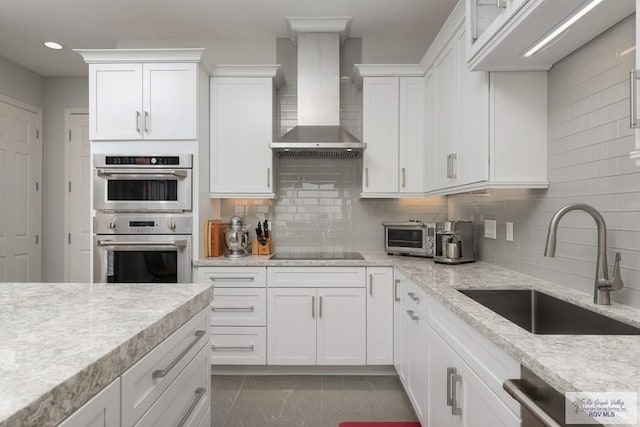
[[25, 24]]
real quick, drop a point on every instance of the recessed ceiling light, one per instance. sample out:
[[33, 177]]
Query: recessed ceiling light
[[52, 45]]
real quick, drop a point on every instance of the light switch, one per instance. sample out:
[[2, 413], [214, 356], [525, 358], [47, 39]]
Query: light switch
[[490, 227], [509, 232]]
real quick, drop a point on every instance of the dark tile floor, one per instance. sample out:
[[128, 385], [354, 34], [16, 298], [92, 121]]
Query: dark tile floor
[[306, 401]]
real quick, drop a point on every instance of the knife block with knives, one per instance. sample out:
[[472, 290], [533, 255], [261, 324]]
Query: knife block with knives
[[261, 245]]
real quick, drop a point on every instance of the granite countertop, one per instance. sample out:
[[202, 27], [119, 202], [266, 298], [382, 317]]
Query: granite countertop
[[569, 363], [63, 343]]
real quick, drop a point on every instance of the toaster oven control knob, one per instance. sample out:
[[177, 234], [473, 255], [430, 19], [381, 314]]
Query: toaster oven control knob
[[172, 224], [112, 224]]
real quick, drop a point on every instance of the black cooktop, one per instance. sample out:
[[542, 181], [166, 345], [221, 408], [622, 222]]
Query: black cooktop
[[331, 255]]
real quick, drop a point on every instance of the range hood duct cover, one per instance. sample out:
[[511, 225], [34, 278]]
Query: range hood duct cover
[[318, 134]]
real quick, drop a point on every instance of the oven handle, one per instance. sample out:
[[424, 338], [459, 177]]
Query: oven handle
[[143, 245], [144, 173]]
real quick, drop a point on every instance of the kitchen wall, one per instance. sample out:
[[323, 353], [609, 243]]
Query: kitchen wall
[[60, 93], [20, 83], [588, 159]]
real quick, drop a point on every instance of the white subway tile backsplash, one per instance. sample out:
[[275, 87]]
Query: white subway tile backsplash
[[589, 145]]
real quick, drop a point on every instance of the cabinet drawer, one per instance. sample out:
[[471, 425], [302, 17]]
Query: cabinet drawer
[[145, 381], [234, 277], [314, 277], [486, 359], [188, 398], [239, 307], [238, 346], [416, 299], [102, 410]]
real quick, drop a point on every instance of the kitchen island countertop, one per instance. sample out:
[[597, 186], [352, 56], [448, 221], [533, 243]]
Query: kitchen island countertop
[[63, 343], [587, 363]]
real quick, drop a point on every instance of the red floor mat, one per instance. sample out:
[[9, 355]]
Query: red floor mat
[[380, 424]]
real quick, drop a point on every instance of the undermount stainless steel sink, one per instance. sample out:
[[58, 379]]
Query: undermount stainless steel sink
[[545, 315]]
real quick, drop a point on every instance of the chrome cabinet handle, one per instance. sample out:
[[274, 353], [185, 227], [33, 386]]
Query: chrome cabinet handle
[[249, 308], [633, 116], [516, 390], [454, 165], [268, 177], [313, 307], [366, 177], [161, 373], [200, 392], [414, 297], [236, 278], [412, 316], [395, 290], [448, 165], [232, 348], [320, 307], [450, 372], [146, 122], [371, 284], [138, 121], [455, 409], [404, 177]]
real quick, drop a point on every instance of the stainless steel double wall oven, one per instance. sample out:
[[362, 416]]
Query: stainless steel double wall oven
[[143, 224]]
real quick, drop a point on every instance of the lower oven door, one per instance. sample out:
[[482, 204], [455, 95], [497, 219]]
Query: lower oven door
[[142, 259]]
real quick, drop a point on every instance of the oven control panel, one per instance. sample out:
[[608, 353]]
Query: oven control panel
[[142, 224]]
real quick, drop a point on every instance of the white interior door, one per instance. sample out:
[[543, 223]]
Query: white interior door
[[19, 248], [78, 200]]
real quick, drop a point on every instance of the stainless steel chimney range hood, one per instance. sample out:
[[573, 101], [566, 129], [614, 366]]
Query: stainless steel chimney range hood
[[318, 134]]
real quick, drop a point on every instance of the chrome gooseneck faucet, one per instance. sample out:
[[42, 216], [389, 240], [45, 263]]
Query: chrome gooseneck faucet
[[603, 285]]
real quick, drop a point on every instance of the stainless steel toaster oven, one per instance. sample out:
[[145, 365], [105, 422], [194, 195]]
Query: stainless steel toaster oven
[[410, 238]]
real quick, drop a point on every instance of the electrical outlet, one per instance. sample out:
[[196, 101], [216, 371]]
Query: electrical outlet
[[509, 232], [490, 227]]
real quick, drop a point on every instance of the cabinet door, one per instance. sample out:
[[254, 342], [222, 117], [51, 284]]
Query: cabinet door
[[103, 410], [412, 152], [472, 120], [440, 362], [380, 289], [115, 108], [431, 126], [446, 148], [480, 406], [400, 324], [241, 130], [170, 100], [417, 363], [342, 328], [380, 132], [291, 326]]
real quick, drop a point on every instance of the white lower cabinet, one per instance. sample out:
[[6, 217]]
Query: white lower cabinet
[[415, 312], [309, 326], [103, 410], [238, 345], [380, 293], [457, 395], [400, 325], [170, 385]]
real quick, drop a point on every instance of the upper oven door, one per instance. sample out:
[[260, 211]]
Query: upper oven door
[[126, 189]]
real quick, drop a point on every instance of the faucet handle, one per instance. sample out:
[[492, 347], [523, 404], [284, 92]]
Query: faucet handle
[[616, 280]]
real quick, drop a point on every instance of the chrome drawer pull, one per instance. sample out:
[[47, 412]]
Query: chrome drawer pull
[[161, 373], [250, 308], [413, 297], [232, 348], [412, 316], [200, 392], [237, 278], [395, 290], [455, 409], [450, 373]]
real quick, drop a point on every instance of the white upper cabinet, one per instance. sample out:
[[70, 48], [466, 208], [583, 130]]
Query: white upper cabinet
[[633, 114], [143, 94], [483, 130], [241, 130], [393, 127], [500, 33]]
